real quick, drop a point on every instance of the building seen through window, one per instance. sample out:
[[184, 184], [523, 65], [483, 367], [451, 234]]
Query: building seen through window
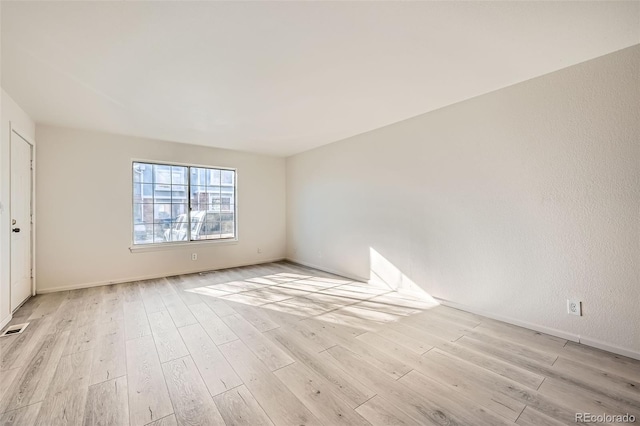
[[173, 203]]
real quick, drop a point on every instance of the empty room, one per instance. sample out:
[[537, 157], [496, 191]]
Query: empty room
[[319, 213]]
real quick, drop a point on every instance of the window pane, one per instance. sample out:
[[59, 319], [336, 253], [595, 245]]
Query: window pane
[[225, 204], [178, 193], [178, 210], [214, 177], [197, 184], [207, 193], [139, 228], [161, 212], [227, 229], [176, 235], [215, 208], [227, 177], [181, 220], [214, 202], [209, 227], [158, 234], [137, 193], [199, 198], [178, 175], [138, 172], [138, 213], [143, 233], [195, 218], [139, 237], [228, 197], [142, 192], [162, 174], [145, 212], [179, 228], [198, 176], [227, 217]]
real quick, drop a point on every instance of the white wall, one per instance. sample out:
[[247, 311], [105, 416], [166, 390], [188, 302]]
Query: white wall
[[4, 318], [508, 203], [11, 113], [84, 209]]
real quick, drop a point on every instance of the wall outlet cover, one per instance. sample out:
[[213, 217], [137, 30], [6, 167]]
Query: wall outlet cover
[[574, 307]]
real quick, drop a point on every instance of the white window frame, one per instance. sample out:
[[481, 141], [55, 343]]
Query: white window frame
[[170, 245]]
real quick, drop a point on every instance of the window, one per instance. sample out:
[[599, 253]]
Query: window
[[173, 203]]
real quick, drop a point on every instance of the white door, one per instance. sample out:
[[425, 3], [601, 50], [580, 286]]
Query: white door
[[21, 189]]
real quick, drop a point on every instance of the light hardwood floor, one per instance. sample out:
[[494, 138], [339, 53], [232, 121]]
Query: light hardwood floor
[[281, 344]]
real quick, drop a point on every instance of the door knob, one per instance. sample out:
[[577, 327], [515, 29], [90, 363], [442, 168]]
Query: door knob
[[16, 230]]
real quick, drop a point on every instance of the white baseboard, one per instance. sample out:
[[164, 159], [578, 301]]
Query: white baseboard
[[610, 348], [547, 330], [151, 277], [5, 321], [323, 269], [542, 329]]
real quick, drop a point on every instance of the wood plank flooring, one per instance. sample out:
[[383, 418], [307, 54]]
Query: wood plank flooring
[[282, 344]]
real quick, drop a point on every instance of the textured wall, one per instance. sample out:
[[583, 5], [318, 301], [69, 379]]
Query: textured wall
[[508, 203], [84, 209]]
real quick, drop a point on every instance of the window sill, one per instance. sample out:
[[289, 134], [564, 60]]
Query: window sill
[[142, 248]]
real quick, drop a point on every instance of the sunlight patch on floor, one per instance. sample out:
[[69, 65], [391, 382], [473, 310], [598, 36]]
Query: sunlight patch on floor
[[346, 303]]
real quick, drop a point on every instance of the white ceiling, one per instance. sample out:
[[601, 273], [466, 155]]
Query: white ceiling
[[282, 78]]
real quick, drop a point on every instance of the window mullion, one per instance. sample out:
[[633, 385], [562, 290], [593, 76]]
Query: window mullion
[[190, 207], [220, 207]]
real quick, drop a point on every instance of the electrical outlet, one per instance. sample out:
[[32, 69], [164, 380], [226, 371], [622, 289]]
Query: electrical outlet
[[194, 256], [259, 250], [574, 307]]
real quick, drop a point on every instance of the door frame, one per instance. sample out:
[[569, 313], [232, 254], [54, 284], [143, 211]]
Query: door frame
[[14, 131]]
